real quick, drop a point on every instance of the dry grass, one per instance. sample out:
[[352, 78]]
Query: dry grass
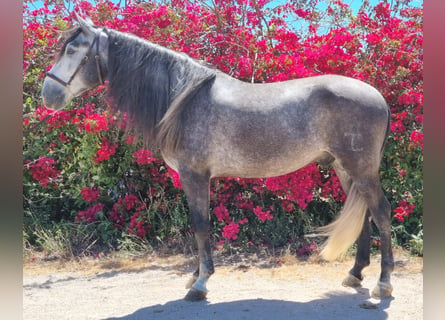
[[119, 262], [285, 266]]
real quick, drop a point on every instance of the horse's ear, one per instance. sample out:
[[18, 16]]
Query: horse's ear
[[86, 24]]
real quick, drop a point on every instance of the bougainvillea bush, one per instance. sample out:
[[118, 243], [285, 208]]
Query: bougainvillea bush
[[85, 170]]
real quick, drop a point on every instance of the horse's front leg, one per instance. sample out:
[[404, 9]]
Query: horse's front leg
[[196, 188]]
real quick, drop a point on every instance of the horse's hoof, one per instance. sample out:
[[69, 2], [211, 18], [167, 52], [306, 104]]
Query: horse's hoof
[[382, 290], [195, 295], [351, 281]]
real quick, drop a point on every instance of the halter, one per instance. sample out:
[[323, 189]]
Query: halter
[[82, 63]]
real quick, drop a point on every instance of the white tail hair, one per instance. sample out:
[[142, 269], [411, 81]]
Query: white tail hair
[[346, 228]]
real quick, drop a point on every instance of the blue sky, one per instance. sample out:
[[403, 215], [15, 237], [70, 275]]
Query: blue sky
[[297, 24], [354, 4]]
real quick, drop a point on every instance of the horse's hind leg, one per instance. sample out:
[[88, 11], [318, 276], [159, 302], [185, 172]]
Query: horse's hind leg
[[196, 188], [380, 210], [362, 258]]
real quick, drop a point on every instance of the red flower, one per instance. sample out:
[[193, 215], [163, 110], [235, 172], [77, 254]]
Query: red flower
[[90, 214], [307, 249], [138, 224], [106, 151], [44, 170], [90, 194], [95, 123], [402, 172], [131, 201]]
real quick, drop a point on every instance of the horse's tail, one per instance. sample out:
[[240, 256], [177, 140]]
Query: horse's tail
[[346, 228]]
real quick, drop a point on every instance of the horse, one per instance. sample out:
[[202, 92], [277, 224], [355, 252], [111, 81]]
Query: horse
[[207, 124]]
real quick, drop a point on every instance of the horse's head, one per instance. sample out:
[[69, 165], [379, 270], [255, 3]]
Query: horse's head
[[80, 66]]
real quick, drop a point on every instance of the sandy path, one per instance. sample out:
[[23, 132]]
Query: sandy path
[[154, 290]]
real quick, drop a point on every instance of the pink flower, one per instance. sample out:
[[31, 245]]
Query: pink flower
[[221, 212], [263, 216], [307, 249], [175, 178], [230, 231], [143, 156], [302, 13], [63, 138], [129, 139], [397, 126], [287, 205], [403, 210], [416, 139], [419, 118], [296, 186]]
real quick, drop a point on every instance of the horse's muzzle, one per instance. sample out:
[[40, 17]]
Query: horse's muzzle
[[54, 96]]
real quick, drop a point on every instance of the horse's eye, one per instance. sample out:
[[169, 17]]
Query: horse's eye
[[70, 51]]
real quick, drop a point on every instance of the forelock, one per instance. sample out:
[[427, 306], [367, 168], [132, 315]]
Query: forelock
[[67, 36]]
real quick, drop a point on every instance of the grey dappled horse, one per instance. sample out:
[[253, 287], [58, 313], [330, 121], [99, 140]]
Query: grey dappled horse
[[207, 124]]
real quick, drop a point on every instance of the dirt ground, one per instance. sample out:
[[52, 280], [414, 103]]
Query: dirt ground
[[242, 288]]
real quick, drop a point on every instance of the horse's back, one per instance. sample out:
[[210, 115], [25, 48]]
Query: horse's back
[[271, 97], [304, 110], [257, 130]]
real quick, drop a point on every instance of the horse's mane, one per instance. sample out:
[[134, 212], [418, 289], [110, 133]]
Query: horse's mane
[[152, 85]]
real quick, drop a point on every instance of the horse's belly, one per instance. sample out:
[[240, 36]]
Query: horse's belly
[[261, 165]]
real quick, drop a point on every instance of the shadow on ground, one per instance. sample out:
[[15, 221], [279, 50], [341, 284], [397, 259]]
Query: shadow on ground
[[334, 306]]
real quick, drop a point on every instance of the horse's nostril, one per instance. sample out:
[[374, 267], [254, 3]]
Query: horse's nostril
[[53, 95]]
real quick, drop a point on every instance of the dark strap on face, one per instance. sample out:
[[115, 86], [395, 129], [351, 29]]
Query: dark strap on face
[[97, 58], [81, 64]]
